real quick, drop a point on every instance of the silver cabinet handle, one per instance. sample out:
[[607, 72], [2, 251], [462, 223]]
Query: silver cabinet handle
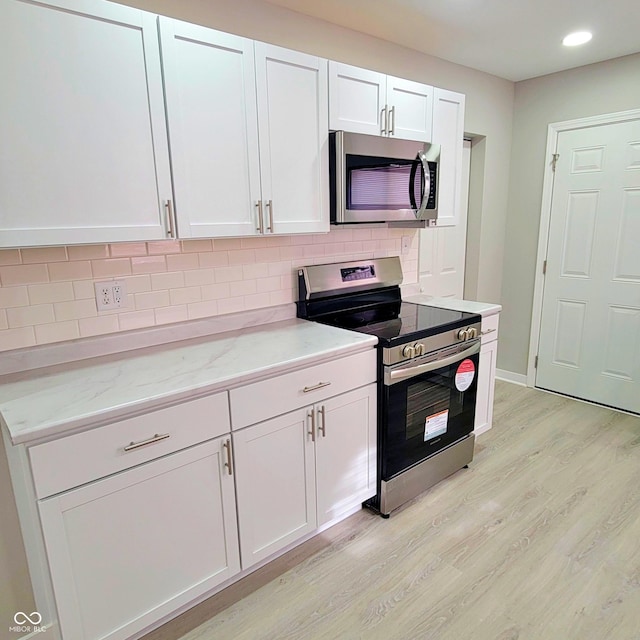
[[229, 463], [168, 206], [383, 120], [484, 333], [315, 387], [323, 426], [260, 226], [143, 443], [312, 433], [392, 121], [270, 207]]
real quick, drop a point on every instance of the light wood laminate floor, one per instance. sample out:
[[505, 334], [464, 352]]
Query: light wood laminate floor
[[538, 540]]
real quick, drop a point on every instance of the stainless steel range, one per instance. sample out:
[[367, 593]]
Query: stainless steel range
[[427, 371]]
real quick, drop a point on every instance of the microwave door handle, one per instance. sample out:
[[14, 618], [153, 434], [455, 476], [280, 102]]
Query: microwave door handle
[[391, 377], [412, 177], [426, 184]]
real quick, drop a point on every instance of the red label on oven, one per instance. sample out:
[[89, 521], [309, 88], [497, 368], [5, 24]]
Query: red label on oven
[[465, 374]]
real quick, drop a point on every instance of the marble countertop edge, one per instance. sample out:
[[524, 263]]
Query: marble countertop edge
[[23, 431]]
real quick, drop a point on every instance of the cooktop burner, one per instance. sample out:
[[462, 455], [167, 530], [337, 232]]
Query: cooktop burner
[[399, 322]]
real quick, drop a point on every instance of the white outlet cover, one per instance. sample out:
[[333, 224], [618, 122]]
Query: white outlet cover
[[111, 294]]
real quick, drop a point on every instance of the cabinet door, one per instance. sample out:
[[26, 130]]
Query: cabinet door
[[294, 138], [129, 549], [357, 99], [410, 107], [346, 452], [83, 131], [486, 385], [443, 251], [448, 131], [213, 129], [275, 484]]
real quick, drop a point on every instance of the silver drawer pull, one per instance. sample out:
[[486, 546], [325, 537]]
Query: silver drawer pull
[[484, 333], [316, 386], [156, 438]]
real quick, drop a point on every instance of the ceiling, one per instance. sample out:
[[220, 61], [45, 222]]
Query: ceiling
[[516, 39]]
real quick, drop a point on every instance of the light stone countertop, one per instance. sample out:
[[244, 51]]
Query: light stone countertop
[[483, 308], [50, 402]]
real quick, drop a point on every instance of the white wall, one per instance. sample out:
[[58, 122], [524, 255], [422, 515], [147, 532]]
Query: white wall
[[606, 87]]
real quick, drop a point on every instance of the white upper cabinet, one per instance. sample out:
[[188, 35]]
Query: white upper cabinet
[[248, 134], [364, 101], [213, 129], [357, 99], [82, 125], [410, 109], [448, 132], [294, 138]]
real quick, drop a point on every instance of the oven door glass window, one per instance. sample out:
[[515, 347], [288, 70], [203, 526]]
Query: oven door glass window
[[426, 413]]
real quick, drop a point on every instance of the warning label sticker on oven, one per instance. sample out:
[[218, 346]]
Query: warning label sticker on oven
[[435, 425], [465, 374]]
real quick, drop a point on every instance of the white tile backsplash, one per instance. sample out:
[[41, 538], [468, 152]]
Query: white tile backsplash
[[47, 294]]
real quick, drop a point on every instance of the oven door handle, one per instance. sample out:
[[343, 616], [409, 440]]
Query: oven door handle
[[391, 377]]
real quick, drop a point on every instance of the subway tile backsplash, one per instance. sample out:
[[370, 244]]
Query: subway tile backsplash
[[47, 293]]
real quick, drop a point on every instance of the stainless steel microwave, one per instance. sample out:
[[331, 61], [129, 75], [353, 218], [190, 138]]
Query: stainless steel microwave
[[378, 179]]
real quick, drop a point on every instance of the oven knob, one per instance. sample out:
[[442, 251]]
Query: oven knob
[[419, 347], [472, 333], [463, 334], [409, 352]]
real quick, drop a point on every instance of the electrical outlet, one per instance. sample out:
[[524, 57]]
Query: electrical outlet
[[111, 295]]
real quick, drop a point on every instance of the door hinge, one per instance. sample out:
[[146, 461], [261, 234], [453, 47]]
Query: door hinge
[[554, 161], [535, 363], [544, 267]]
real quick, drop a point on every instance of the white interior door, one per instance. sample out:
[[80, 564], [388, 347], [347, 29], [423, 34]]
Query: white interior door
[[590, 327], [443, 249]]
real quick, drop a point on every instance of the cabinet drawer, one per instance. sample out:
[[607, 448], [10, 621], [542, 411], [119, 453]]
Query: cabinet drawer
[[278, 395], [69, 462], [490, 328]]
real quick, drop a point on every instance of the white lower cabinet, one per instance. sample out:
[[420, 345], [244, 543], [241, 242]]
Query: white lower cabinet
[[486, 374], [301, 470], [345, 452], [127, 522], [125, 550], [275, 482]]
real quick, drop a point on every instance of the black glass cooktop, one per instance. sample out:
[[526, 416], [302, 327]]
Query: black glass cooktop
[[399, 322]]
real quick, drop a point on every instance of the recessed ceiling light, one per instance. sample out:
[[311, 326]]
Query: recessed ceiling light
[[576, 38]]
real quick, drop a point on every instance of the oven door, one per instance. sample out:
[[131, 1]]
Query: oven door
[[427, 404]]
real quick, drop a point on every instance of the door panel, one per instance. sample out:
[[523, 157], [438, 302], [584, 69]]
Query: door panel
[[590, 328], [578, 235], [85, 156], [443, 249], [626, 254], [275, 484], [123, 551], [357, 98], [294, 138], [346, 452], [411, 102], [213, 129]]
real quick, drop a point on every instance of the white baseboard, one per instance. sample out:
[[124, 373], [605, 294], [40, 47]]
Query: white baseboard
[[510, 376]]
